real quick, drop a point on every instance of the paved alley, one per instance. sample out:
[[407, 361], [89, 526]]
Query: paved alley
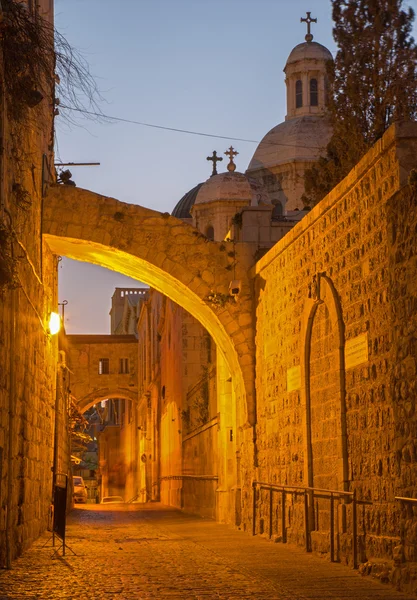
[[142, 552]]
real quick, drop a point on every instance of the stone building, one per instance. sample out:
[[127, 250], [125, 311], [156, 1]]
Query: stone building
[[290, 148], [269, 349], [29, 396]]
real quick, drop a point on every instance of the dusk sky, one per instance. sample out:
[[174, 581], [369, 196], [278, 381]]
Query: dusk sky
[[213, 67]]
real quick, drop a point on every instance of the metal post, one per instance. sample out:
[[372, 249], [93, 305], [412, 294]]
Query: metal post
[[270, 512], [354, 531], [254, 509], [306, 522], [283, 524], [332, 528]]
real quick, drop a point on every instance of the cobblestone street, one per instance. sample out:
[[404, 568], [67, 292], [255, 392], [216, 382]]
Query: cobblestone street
[[157, 552]]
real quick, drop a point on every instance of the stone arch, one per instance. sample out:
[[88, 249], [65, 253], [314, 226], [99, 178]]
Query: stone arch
[[170, 256], [96, 396], [322, 293]]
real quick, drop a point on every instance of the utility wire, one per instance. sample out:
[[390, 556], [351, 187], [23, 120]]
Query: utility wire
[[211, 135]]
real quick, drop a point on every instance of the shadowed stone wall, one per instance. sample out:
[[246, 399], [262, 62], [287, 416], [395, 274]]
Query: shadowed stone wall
[[28, 354], [335, 353]]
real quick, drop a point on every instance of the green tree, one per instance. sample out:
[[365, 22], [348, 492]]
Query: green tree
[[372, 83]]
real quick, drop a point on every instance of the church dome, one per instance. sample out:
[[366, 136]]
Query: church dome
[[308, 51], [299, 139], [230, 186], [183, 209]]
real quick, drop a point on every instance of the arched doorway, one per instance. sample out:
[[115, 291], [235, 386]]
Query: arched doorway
[[323, 376]]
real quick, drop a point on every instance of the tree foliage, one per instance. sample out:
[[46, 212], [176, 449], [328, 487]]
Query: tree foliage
[[38, 62], [373, 82]]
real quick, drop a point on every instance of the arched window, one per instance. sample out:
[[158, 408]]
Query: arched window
[[210, 233], [298, 93], [314, 93], [277, 212]]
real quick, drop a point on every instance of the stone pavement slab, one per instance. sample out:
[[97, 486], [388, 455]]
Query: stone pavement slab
[[151, 551]]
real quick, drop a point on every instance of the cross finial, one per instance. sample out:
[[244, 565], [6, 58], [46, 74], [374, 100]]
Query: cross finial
[[231, 153], [214, 160], [308, 20]]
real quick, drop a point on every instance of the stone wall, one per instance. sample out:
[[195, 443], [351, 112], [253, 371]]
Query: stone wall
[[28, 354], [335, 354], [92, 380]]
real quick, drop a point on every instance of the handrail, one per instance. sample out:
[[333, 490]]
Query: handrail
[[308, 493], [403, 499], [202, 477], [133, 499], [302, 488]]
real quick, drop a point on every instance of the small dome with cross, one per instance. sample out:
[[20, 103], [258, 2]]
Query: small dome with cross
[[225, 187], [308, 51]]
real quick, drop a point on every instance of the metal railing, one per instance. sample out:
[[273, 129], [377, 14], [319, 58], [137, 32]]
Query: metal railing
[[309, 494], [197, 477], [408, 500]]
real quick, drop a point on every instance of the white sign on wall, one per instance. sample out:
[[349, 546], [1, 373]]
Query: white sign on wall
[[356, 351], [294, 378]]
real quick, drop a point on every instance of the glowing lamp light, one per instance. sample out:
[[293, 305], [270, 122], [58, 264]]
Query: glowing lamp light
[[54, 323]]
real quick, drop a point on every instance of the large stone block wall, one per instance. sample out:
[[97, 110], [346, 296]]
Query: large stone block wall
[[28, 354], [28, 358], [345, 273], [402, 467]]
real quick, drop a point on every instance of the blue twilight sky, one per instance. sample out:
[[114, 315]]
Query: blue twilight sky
[[208, 66]]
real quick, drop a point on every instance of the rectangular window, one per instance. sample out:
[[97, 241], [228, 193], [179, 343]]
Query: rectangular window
[[124, 366], [103, 366], [298, 93], [314, 93]]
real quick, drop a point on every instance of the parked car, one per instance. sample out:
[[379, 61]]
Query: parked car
[[112, 500], [80, 490]]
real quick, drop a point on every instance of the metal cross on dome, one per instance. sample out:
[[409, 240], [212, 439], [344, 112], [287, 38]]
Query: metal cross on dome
[[215, 159], [308, 20], [231, 153]]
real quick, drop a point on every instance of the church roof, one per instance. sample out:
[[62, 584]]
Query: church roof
[[182, 209], [308, 51], [298, 139], [229, 186]]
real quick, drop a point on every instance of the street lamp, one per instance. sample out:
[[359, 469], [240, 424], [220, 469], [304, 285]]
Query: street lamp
[[54, 324]]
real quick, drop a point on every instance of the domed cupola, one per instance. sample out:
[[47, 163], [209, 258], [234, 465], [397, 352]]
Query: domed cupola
[[221, 197], [182, 209], [305, 72], [288, 149]]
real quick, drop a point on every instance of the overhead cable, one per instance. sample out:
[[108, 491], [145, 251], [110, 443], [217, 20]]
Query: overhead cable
[[187, 131]]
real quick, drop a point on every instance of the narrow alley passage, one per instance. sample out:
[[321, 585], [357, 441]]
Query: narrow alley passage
[[150, 551]]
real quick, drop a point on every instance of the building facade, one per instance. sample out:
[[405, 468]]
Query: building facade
[[294, 366]]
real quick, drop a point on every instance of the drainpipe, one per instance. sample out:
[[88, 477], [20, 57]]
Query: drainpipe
[[13, 293], [2, 128], [12, 386]]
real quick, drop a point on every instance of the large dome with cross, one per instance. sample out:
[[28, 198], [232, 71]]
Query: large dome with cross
[[291, 147]]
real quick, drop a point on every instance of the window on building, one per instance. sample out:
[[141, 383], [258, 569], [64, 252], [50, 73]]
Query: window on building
[[277, 211], [210, 233], [124, 366], [314, 93], [122, 413], [326, 91], [298, 93], [103, 366]]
